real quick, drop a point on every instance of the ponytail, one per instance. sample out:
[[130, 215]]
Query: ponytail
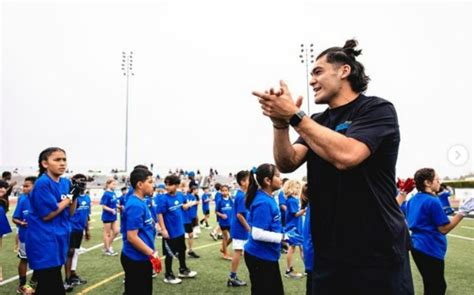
[[252, 190], [263, 171], [44, 155]]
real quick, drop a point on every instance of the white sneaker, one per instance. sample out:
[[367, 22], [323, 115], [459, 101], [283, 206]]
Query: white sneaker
[[171, 279]]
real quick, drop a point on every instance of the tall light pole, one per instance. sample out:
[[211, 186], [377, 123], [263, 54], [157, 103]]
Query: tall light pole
[[127, 69], [307, 58]]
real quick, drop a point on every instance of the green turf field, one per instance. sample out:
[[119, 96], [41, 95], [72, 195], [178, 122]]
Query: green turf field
[[104, 273]]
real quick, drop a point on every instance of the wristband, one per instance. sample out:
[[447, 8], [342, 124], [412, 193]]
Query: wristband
[[281, 127]]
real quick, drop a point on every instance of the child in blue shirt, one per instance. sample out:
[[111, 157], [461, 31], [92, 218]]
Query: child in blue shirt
[[205, 199], [191, 220], [170, 217], [224, 214], [4, 225], [139, 257], [239, 228], [292, 189], [79, 226], [20, 219], [262, 250], [216, 231], [429, 225], [109, 216], [47, 237]]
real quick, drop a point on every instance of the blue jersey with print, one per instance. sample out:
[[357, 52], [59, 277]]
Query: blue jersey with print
[[21, 213], [264, 214], [138, 218], [424, 215], [81, 215], [47, 242], [152, 206], [205, 198], [109, 199], [171, 208], [308, 248], [444, 199], [224, 206], [237, 230], [292, 207]]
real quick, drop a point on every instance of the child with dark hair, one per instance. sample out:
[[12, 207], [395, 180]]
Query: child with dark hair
[[239, 228], [224, 214], [216, 231], [109, 203], [206, 200], [20, 219], [51, 206], [4, 225], [79, 229], [429, 225], [139, 257], [170, 217], [190, 220], [262, 251]]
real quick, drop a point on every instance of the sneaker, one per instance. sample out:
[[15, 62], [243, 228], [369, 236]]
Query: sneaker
[[235, 282], [81, 250], [68, 287], [193, 254], [33, 284], [187, 273], [171, 279], [77, 280], [154, 274], [25, 289], [208, 227], [293, 274], [283, 251], [219, 236], [110, 253], [227, 257], [213, 236]]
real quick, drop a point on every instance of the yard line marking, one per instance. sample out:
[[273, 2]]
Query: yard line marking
[[467, 227], [87, 290], [31, 271], [461, 237]]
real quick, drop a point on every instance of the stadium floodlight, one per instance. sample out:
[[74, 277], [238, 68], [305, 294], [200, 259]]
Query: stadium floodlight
[[127, 66], [307, 57]]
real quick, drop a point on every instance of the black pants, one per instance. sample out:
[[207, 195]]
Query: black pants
[[50, 281], [432, 272], [138, 276], [309, 282], [330, 277], [174, 247], [265, 277]]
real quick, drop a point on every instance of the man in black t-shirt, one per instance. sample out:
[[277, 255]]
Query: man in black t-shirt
[[359, 233]]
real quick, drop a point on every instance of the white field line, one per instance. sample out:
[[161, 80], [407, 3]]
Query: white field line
[[461, 237], [467, 227]]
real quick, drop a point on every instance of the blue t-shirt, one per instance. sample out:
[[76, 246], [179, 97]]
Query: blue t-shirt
[[138, 218], [47, 242], [152, 206], [308, 248], [224, 206], [109, 199], [4, 225], [444, 199], [237, 230], [424, 215], [123, 203], [281, 203], [264, 214], [171, 207], [292, 207], [192, 211], [21, 213], [81, 215], [205, 202]]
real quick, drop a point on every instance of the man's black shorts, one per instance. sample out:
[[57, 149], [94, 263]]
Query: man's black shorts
[[75, 240]]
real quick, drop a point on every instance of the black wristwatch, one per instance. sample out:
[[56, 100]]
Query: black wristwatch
[[296, 118]]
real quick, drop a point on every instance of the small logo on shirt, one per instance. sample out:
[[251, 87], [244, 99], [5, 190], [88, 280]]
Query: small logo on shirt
[[343, 126], [176, 202]]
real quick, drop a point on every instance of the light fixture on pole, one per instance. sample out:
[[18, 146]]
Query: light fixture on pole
[[307, 58], [127, 69]]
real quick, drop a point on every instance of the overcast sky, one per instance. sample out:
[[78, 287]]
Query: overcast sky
[[196, 63]]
